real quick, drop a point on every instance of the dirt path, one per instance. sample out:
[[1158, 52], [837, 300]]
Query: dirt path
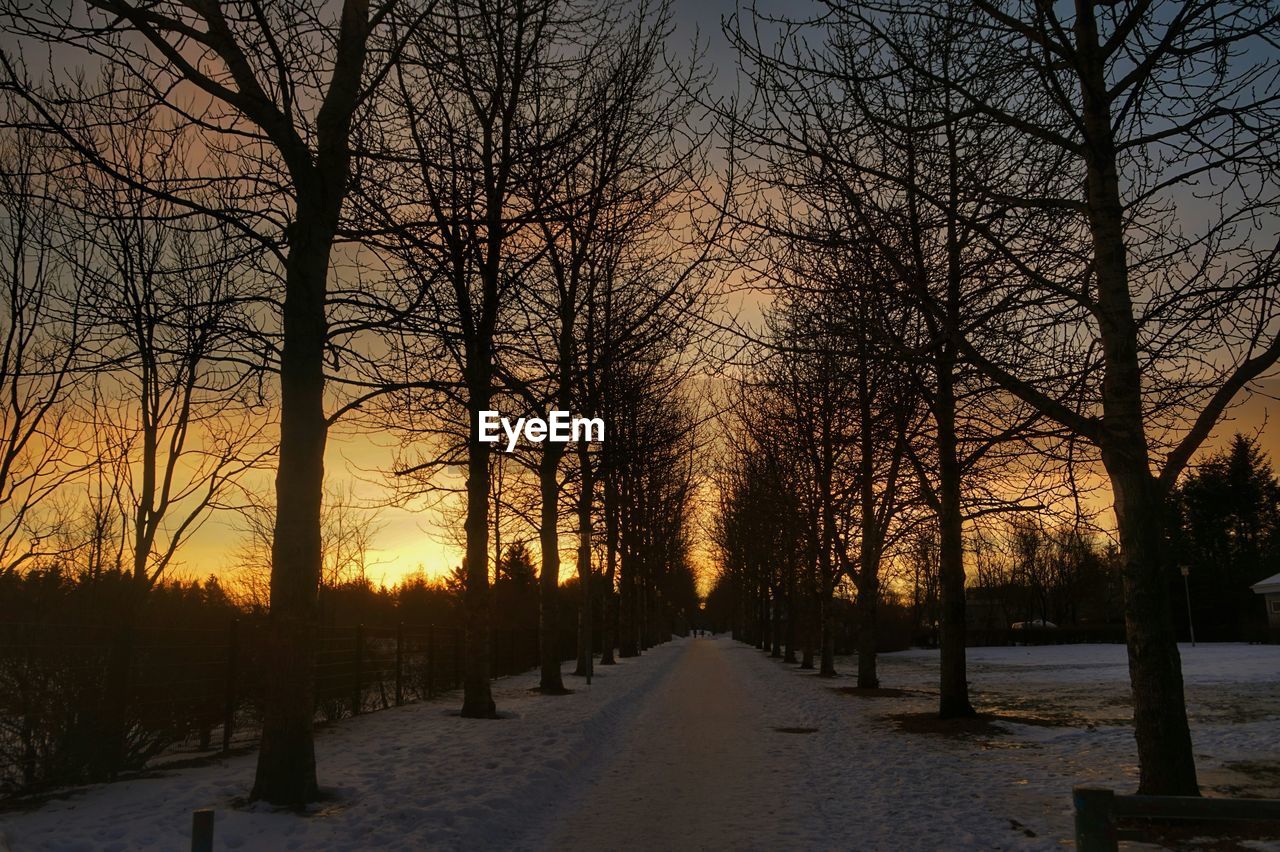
[[700, 767]]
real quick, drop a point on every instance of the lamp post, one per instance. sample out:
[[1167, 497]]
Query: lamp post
[[1186, 588]]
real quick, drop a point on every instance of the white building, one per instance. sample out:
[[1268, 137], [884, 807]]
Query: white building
[[1270, 590]]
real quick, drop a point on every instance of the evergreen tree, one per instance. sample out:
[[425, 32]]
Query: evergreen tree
[[515, 588], [1227, 534]]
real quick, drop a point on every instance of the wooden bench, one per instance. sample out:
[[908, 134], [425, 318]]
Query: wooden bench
[[1100, 812]]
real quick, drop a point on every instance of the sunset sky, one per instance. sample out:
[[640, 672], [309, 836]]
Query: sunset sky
[[411, 538]]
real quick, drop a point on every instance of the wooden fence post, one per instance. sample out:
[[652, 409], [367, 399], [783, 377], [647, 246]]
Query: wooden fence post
[[202, 830], [400, 663], [1095, 820], [357, 692], [229, 695]]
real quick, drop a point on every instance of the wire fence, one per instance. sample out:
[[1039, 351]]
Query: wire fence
[[82, 703]]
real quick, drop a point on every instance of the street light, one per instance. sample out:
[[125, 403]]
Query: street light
[[1186, 587]]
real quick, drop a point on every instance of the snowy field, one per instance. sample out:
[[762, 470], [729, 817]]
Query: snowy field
[[1076, 698], [709, 744]]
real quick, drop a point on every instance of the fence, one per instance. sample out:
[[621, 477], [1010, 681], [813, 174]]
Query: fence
[[83, 703], [1103, 818]]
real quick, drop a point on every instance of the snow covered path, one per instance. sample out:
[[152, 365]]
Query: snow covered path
[[706, 760], [698, 769], [734, 750]]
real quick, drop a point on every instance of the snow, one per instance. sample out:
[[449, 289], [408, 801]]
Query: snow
[[682, 748], [414, 777], [1108, 664], [1233, 701]]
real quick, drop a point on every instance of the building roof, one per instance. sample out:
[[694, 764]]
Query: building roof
[[1269, 586]]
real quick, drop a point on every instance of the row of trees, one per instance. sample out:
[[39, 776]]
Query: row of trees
[[1032, 247], [408, 212], [1015, 246], [1043, 566]]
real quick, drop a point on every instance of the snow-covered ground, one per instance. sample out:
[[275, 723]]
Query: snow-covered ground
[[1077, 699], [413, 777], [709, 744]]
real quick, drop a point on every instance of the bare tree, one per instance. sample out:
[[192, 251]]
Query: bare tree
[[43, 327], [860, 154], [648, 484], [274, 88], [615, 189], [888, 410], [177, 377], [835, 413], [1141, 112], [759, 530], [455, 211]]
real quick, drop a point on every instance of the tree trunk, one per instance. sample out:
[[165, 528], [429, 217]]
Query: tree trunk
[[477, 697], [827, 666], [643, 618], [868, 575], [953, 700], [628, 636], [549, 577], [1165, 758], [762, 617], [586, 651], [826, 565], [143, 534], [775, 628], [793, 631], [808, 630], [1166, 761], [286, 770], [609, 619], [868, 606], [609, 599]]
